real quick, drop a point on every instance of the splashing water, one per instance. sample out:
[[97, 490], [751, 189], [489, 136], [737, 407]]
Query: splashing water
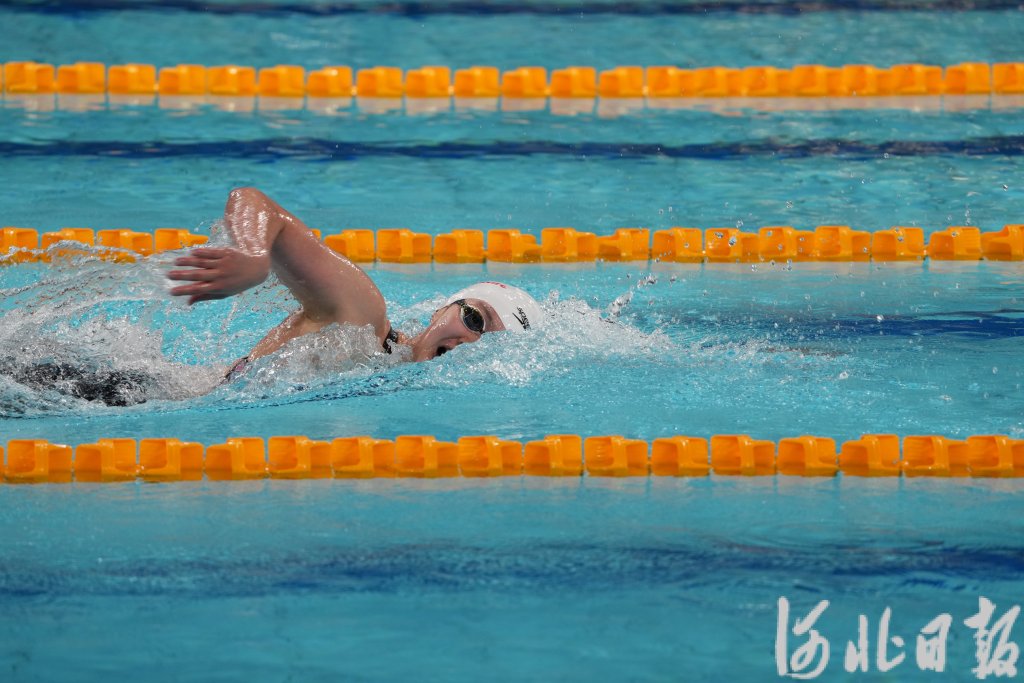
[[83, 334], [89, 331], [572, 335]]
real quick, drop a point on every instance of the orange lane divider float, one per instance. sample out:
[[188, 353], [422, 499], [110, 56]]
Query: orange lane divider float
[[82, 78], [836, 243], [288, 80], [512, 246], [403, 246], [477, 81], [741, 455], [281, 81], [680, 456], [331, 81], [132, 79], [362, 457], [231, 81], [379, 81], [66, 238], [106, 460], [424, 457], [31, 461], [575, 81], [460, 246], [185, 80], [614, 456], [557, 455], [429, 81]]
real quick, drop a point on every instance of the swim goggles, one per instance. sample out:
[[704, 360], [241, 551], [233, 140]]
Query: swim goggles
[[471, 316]]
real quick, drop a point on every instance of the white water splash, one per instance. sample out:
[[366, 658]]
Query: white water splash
[[571, 335], [103, 317]]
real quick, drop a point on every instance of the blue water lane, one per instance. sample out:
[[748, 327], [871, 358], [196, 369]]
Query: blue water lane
[[575, 580], [512, 34]]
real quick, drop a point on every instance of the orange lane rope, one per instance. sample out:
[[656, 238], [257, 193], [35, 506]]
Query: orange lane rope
[[361, 457], [559, 245], [290, 81]]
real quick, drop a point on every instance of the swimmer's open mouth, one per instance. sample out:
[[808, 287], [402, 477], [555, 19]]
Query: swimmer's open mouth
[[441, 351]]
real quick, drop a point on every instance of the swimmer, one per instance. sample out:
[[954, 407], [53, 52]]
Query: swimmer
[[329, 288]]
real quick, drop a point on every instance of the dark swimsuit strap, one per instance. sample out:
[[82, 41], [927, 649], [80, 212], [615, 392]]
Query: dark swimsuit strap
[[237, 368], [389, 339]]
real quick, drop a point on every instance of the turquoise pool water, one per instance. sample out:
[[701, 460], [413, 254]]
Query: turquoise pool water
[[399, 35], [518, 578], [509, 580], [780, 351], [659, 168]]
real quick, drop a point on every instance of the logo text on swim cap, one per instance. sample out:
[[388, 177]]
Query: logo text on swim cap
[[521, 317]]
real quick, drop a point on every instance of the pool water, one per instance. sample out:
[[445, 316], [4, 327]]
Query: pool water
[[643, 350], [413, 34], [517, 578], [656, 168], [510, 579]]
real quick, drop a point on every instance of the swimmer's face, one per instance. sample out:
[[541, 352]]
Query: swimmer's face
[[461, 322]]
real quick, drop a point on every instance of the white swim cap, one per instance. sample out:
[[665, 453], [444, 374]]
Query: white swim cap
[[516, 309]]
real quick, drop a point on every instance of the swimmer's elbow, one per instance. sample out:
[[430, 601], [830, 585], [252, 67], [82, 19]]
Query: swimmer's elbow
[[247, 195]]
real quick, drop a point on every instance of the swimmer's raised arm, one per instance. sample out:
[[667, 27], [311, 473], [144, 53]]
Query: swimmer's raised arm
[[329, 287]]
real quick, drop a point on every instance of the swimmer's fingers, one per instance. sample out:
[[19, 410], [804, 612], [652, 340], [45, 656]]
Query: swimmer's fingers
[[202, 274], [187, 290], [217, 273], [205, 261], [200, 255], [194, 262], [207, 291], [201, 291]]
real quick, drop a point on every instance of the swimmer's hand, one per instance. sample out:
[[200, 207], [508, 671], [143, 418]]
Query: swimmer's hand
[[217, 273]]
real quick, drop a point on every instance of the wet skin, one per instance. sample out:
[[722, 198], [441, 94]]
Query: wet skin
[[329, 287], [448, 330]]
